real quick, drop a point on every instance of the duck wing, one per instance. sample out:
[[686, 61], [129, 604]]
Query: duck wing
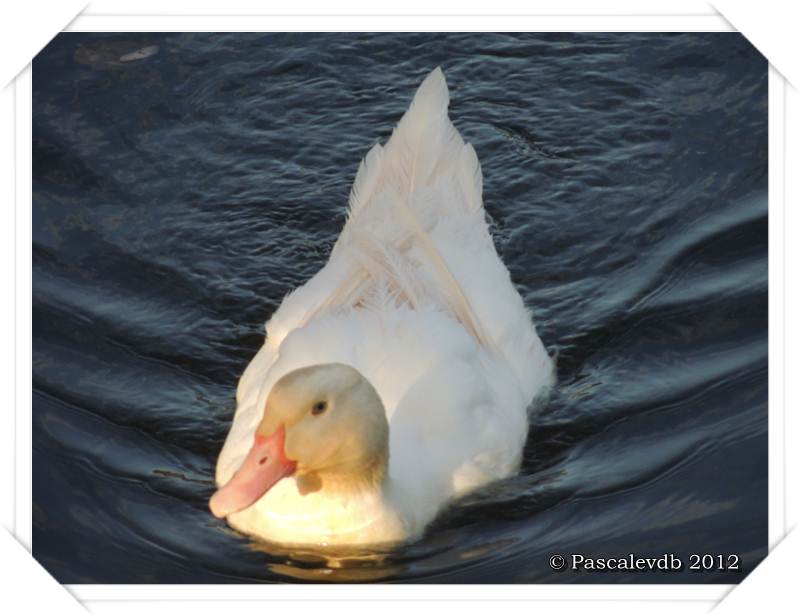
[[416, 235]]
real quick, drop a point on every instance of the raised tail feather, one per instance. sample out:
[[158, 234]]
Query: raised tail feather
[[424, 147], [424, 174]]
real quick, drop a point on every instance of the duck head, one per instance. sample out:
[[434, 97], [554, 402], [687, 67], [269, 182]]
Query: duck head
[[323, 424]]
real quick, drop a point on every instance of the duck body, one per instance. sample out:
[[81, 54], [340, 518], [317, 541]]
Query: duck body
[[415, 298]]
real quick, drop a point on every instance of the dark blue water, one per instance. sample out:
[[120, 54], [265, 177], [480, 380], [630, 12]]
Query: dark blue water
[[178, 197]]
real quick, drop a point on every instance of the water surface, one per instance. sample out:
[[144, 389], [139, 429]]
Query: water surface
[[184, 183]]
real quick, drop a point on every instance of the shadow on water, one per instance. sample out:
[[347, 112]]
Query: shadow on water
[[184, 183]]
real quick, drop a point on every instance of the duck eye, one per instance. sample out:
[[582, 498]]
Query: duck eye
[[319, 408]]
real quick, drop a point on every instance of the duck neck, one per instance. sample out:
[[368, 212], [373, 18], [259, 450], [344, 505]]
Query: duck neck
[[346, 481]]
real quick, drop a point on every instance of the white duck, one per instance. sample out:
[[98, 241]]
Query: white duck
[[399, 376]]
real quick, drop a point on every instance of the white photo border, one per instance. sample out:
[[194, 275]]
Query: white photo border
[[572, 23]]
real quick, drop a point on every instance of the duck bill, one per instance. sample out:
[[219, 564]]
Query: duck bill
[[265, 465]]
